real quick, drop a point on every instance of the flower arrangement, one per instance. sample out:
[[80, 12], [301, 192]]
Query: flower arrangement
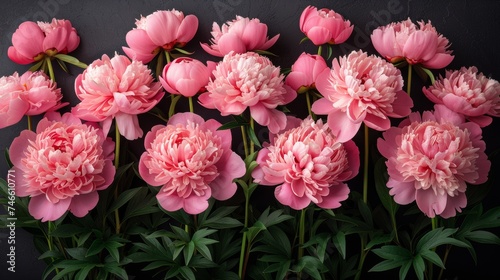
[[323, 170]]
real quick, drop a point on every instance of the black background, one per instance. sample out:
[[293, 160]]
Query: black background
[[471, 26]]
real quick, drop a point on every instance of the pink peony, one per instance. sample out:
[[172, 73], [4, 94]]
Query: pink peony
[[192, 161], [402, 40], [308, 164], [185, 76], [249, 80], [160, 31], [324, 26], [305, 71], [239, 35], [61, 166], [32, 93], [116, 88], [361, 88], [431, 158], [32, 42], [469, 93]]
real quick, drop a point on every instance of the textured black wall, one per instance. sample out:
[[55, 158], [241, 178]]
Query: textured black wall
[[471, 26]]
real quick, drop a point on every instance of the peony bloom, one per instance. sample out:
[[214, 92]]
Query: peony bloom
[[308, 164], [361, 88], [239, 35], [305, 71], [32, 41], [185, 76], [402, 40], [192, 161], [324, 26], [116, 88], [32, 93], [159, 31], [469, 93], [251, 81], [61, 166], [431, 158]]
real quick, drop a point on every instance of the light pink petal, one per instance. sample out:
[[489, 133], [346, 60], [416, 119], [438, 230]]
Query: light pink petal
[[420, 45], [22, 185], [162, 28], [82, 204], [352, 158], [443, 114], [19, 145], [135, 55], [322, 106], [145, 173], [138, 40], [387, 145], [171, 202], [403, 192], [56, 39], [401, 107], [430, 203], [454, 204], [269, 43], [187, 87], [377, 123], [108, 173], [196, 204], [461, 105], [128, 126], [440, 60], [18, 58], [16, 109], [187, 29], [274, 119], [211, 51], [482, 121], [285, 196], [28, 39], [41, 208], [223, 187], [337, 194], [483, 168], [167, 86], [184, 118], [231, 42], [319, 35], [342, 126], [384, 42]]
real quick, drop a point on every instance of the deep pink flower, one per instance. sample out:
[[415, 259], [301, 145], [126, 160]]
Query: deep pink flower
[[239, 35], [324, 26], [192, 161], [308, 164], [61, 166], [402, 40], [361, 89], [185, 76], [467, 92], [431, 158], [32, 93], [32, 42], [251, 81], [305, 71], [116, 88], [160, 31]]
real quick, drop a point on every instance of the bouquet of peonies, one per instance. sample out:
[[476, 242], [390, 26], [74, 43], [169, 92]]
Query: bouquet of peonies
[[191, 203]]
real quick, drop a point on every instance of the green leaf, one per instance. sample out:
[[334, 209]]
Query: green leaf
[[63, 65], [378, 239], [264, 52], [252, 136], [36, 66], [433, 257], [68, 230], [482, 236], [386, 265], [77, 253], [303, 40], [382, 189], [437, 237], [84, 272], [339, 242], [429, 74], [187, 273], [189, 251], [71, 60], [393, 252], [124, 197], [183, 51], [230, 125], [419, 266], [329, 51]]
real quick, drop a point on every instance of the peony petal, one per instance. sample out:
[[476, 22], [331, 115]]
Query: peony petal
[[322, 106], [337, 194], [285, 196], [454, 204], [41, 208], [82, 204], [440, 60], [196, 204], [430, 203], [342, 126], [319, 35], [230, 42], [128, 125], [171, 202], [18, 147], [403, 192]]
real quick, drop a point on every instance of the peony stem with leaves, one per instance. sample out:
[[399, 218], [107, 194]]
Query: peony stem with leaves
[[50, 68], [302, 230], [191, 107], [117, 164]]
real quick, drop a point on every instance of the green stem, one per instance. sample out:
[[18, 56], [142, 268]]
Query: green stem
[[445, 258], [49, 241], [245, 249], [365, 165], [50, 68], [302, 230], [167, 55], [173, 102], [30, 128], [252, 144], [159, 65], [394, 227], [408, 86], [362, 257], [320, 49], [244, 138], [117, 164], [308, 101], [434, 223], [191, 107]]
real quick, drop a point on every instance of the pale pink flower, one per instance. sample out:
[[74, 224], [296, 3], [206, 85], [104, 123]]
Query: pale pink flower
[[239, 35], [467, 92], [32, 93], [160, 31], [307, 164], [422, 45], [251, 81], [192, 161], [116, 88], [324, 26], [185, 76], [361, 89], [61, 166], [31, 42], [431, 158], [305, 71]]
